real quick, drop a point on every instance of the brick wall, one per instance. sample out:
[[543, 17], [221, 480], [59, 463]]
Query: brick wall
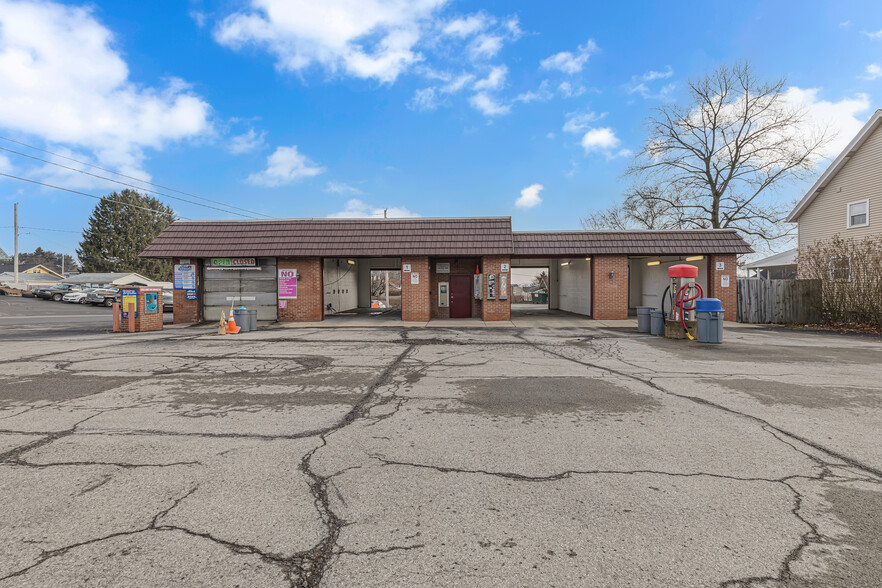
[[416, 304], [728, 296], [496, 310], [610, 295], [144, 322], [308, 306], [188, 311], [464, 266]]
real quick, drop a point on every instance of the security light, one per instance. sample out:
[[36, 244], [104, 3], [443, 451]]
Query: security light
[[563, 263], [350, 261], [656, 262], [695, 258]]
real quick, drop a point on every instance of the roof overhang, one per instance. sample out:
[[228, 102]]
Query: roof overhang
[[834, 167]]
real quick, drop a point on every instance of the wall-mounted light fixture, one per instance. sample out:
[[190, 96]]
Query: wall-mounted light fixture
[[656, 262], [612, 274], [587, 259], [695, 258], [350, 261], [563, 263]]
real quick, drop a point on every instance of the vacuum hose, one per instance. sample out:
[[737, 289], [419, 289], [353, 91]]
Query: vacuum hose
[[681, 299]]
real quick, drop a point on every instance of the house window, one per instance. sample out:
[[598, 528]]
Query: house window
[[840, 268], [858, 214]]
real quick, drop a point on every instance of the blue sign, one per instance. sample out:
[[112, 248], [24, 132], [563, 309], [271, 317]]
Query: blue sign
[[129, 298], [151, 302], [191, 294], [185, 276]]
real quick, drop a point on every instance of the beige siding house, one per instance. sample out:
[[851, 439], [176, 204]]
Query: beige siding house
[[847, 198]]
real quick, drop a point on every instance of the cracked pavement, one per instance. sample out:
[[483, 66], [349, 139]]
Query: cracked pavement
[[439, 456]]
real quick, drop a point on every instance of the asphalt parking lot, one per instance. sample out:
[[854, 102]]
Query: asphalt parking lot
[[439, 456], [18, 311]]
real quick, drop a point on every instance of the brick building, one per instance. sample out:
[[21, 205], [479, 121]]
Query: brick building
[[300, 269]]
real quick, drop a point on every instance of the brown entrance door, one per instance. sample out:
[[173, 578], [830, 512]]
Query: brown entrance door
[[460, 297]]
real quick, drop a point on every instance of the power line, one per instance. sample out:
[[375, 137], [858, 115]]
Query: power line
[[122, 175], [40, 229], [150, 210], [123, 183]]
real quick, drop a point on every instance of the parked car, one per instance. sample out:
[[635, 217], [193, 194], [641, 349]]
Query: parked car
[[77, 297], [102, 296], [168, 301], [57, 292]]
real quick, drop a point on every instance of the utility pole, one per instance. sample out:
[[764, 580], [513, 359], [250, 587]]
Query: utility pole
[[15, 262]]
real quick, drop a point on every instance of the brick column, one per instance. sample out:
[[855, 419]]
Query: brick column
[[728, 296], [415, 298], [610, 295], [308, 306], [496, 310], [188, 311]]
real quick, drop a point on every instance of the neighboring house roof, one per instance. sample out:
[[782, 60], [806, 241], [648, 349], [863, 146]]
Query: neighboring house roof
[[443, 237], [334, 238], [110, 278], [8, 278], [778, 260], [578, 243], [28, 267], [837, 165]]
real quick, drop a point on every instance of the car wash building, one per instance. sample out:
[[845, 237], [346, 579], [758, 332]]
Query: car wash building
[[302, 269]]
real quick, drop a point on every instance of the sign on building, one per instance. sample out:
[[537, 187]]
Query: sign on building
[[287, 284], [503, 286], [504, 267], [405, 267], [232, 263], [442, 268], [185, 276], [415, 277], [491, 286]]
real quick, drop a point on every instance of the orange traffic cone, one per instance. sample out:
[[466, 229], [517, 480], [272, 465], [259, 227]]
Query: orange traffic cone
[[232, 329]]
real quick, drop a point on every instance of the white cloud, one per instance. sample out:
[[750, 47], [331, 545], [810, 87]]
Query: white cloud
[[342, 188], [285, 166], [485, 46], [542, 94], [62, 80], [530, 196], [198, 17], [424, 99], [657, 75], [494, 80], [5, 165], [603, 140], [876, 35], [467, 26], [246, 142], [567, 90], [579, 121], [358, 209], [844, 118], [364, 38], [845, 23], [458, 83], [488, 105], [568, 62], [872, 72]]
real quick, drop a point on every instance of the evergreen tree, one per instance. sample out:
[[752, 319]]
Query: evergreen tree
[[48, 258], [119, 229]]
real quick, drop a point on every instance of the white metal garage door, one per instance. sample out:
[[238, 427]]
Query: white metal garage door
[[249, 287]]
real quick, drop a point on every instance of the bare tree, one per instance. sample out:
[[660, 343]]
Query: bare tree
[[641, 208], [716, 162], [541, 281]]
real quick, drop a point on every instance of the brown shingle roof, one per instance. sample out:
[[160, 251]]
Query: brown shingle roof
[[578, 243], [443, 237], [335, 238]]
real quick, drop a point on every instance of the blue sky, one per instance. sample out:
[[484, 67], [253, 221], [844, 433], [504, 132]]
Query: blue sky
[[299, 108]]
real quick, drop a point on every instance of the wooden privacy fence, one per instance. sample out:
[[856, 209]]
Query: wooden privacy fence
[[778, 301]]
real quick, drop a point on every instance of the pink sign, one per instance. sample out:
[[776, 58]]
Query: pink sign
[[287, 283]]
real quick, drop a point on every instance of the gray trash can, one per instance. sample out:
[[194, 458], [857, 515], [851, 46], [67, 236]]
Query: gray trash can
[[644, 318], [709, 315], [657, 323], [240, 315], [252, 319]]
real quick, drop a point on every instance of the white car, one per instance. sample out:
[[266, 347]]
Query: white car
[[77, 297]]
